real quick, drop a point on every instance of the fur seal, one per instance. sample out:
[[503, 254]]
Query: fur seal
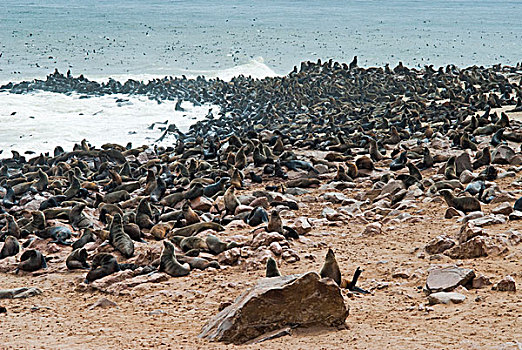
[[169, 264], [231, 201], [257, 216], [195, 228], [11, 247], [87, 236], [77, 259], [31, 260], [331, 268], [190, 216], [464, 204], [197, 263], [216, 247], [77, 219], [271, 268], [119, 239], [211, 190], [103, 264], [275, 223], [59, 234], [144, 215], [450, 170]]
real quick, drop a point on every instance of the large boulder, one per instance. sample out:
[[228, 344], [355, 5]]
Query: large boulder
[[276, 303], [447, 279]]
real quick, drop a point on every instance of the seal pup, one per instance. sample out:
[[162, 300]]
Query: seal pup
[[231, 201], [144, 214], [77, 259], [450, 172], [399, 162], [103, 264], [87, 236], [77, 219], [11, 247], [59, 234], [331, 268], [257, 216], [119, 239], [464, 204], [197, 263], [190, 215], [483, 159], [12, 227], [211, 190], [169, 264], [271, 268], [31, 260], [216, 247]]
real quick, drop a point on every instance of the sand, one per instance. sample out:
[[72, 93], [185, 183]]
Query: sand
[[169, 315]]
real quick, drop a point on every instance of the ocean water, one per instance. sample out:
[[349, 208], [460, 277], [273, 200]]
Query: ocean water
[[151, 38]]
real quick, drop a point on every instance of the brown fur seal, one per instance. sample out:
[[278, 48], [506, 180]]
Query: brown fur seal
[[31, 260], [103, 264], [159, 231], [109, 209], [87, 236], [342, 175], [190, 216], [275, 223], [77, 259], [271, 268], [169, 264], [465, 204], [197, 263], [77, 219], [11, 247], [231, 201], [331, 268], [216, 247], [195, 228], [190, 243], [144, 215], [450, 171], [483, 159], [12, 227], [119, 239]]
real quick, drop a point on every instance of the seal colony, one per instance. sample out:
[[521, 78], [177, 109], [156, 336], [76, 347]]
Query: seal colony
[[326, 125]]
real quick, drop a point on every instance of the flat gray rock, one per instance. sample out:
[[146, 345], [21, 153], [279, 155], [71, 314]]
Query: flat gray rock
[[446, 298], [447, 279]]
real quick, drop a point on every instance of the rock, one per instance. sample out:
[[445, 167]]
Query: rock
[[275, 303], [201, 203], [468, 231], [447, 279], [471, 216], [260, 202], [466, 177], [229, 257], [446, 298], [488, 220], [302, 225], [103, 303], [19, 293], [393, 186], [463, 162], [504, 208], [516, 215], [401, 273], [243, 208], [265, 238], [245, 199], [296, 191], [335, 197], [473, 248], [439, 244], [502, 155], [290, 256], [507, 284], [375, 228], [275, 248], [480, 282], [452, 212], [332, 215]]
